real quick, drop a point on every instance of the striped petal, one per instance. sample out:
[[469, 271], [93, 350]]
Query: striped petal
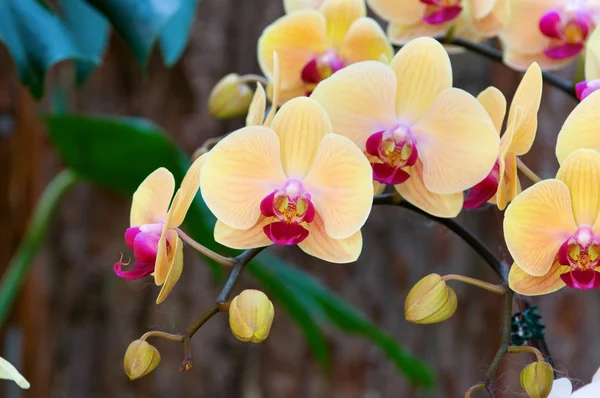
[[296, 38], [320, 244], [404, 12], [423, 71], [581, 173], [151, 200], [401, 34], [256, 111], [174, 272], [300, 124], [523, 283], [522, 33], [494, 103], [457, 142], [359, 100], [239, 172], [580, 129], [165, 257], [186, 194], [243, 238], [340, 184], [340, 15], [537, 223], [365, 41], [414, 191]]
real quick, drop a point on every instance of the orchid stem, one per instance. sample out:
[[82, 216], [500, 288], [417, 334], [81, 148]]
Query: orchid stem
[[476, 282], [225, 261], [506, 336], [476, 387], [162, 335], [527, 171]]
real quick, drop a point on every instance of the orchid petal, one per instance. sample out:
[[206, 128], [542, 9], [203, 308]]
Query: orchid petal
[[457, 142], [296, 5], [507, 183], [340, 14], [243, 238], [423, 71], [588, 391], [188, 190], [297, 38], [580, 130], [239, 172], [256, 111], [561, 388], [592, 56], [9, 372], [581, 173], [482, 8], [401, 34], [300, 124], [523, 283], [340, 186], [151, 200], [522, 33], [527, 98], [165, 255], [414, 191], [365, 41], [359, 100], [521, 61], [174, 271], [537, 223], [320, 244], [494, 103], [405, 12]]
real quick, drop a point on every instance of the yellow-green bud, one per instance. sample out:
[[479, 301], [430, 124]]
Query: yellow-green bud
[[140, 359], [430, 301], [230, 98], [536, 379], [251, 315]]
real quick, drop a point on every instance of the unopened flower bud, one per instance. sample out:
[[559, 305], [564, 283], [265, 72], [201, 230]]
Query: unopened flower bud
[[536, 379], [251, 315], [140, 359], [430, 301], [229, 98]]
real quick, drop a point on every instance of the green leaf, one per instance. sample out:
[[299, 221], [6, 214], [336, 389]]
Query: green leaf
[[119, 153], [139, 22], [91, 32], [176, 33], [37, 39]]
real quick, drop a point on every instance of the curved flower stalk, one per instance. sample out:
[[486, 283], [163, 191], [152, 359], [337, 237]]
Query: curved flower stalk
[[562, 388], [549, 32], [592, 67], [313, 44], [153, 236], [502, 183], [429, 140], [552, 229], [410, 19], [295, 183]]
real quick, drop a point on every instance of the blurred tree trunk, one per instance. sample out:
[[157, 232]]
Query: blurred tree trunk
[[78, 317]]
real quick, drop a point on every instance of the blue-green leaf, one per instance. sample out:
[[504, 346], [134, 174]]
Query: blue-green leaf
[[176, 32]]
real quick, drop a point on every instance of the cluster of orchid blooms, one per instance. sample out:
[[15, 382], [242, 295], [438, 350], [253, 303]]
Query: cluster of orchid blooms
[[349, 118]]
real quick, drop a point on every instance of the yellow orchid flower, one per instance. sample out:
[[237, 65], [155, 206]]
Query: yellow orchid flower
[[552, 229], [549, 32], [410, 19], [313, 44], [295, 5], [294, 182], [153, 236], [502, 183], [428, 139], [592, 67]]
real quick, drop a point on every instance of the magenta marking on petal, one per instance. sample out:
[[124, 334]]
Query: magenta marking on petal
[[266, 205], [309, 216], [443, 15], [484, 191], [580, 90], [580, 279], [563, 254], [310, 72], [414, 155], [385, 174], [563, 51], [550, 25], [145, 247], [285, 234], [374, 143], [130, 235], [431, 2], [139, 270]]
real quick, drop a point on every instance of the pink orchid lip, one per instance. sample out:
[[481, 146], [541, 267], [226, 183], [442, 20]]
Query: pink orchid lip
[[321, 67], [143, 240], [568, 31], [485, 190], [389, 168], [581, 253], [288, 207], [442, 12], [585, 88]]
